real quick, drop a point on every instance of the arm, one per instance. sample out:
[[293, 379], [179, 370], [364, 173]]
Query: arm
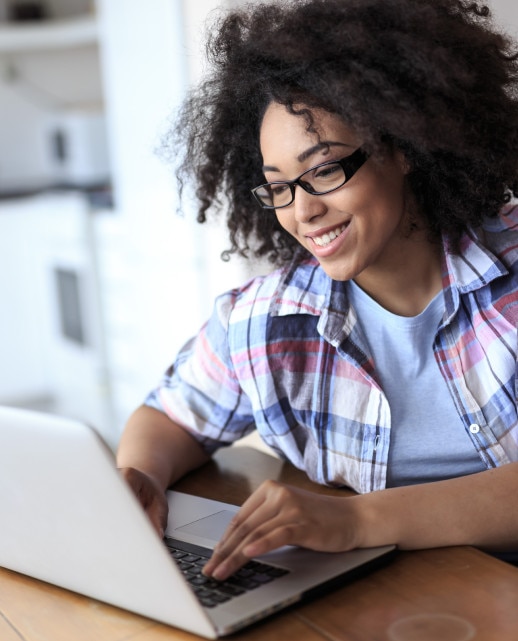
[[153, 453], [479, 510]]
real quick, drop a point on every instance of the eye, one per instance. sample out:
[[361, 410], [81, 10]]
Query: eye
[[278, 189], [327, 171]]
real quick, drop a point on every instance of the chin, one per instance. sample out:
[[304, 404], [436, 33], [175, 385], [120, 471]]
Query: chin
[[340, 273]]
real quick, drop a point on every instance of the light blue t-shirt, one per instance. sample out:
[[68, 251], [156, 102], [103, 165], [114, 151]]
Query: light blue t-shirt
[[428, 441]]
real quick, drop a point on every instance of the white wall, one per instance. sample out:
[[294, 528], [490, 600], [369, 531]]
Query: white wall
[[23, 364], [160, 271], [505, 13]]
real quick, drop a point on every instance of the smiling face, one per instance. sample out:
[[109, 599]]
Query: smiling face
[[355, 230]]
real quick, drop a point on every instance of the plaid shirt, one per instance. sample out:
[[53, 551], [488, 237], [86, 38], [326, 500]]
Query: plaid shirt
[[285, 355]]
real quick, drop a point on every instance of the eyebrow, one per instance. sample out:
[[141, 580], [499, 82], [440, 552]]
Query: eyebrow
[[310, 152]]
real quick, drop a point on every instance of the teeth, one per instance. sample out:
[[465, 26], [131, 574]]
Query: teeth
[[324, 240]]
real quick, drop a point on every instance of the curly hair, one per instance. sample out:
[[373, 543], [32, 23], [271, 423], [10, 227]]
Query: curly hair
[[433, 78]]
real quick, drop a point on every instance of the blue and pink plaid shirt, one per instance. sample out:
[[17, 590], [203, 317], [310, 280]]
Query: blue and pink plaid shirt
[[285, 355]]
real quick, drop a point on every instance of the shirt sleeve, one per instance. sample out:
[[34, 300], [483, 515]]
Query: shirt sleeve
[[200, 391]]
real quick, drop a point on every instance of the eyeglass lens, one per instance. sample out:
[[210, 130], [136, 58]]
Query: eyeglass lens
[[318, 180]]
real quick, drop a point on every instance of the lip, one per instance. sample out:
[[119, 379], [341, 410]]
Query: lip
[[331, 247]]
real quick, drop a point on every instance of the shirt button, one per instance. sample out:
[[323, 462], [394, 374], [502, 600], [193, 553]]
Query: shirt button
[[474, 428]]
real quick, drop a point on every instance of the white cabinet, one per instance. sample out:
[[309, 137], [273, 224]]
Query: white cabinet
[[52, 347], [50, 76], [151, 269], [25, 296], [52, 338]]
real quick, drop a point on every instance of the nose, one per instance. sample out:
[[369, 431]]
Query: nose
[[307, 206]]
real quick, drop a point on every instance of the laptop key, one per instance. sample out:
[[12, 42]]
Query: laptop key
[[199, 579], [201, 562], [212, 602], [190, 558], [247, 584], [210, 592], [262, 578], [228, 588]]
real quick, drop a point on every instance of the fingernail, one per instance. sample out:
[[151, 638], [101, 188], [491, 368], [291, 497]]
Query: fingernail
[[220, 572]]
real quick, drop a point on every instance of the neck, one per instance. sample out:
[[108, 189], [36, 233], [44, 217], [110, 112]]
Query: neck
[[412, 279]]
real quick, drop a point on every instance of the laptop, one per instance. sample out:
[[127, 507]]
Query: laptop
[[68, 518]]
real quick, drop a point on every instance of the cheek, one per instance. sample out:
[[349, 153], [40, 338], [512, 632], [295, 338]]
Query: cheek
[[383, 199], [286, 222]]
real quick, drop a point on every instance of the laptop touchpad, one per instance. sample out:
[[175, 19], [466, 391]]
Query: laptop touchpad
[[209, 527]]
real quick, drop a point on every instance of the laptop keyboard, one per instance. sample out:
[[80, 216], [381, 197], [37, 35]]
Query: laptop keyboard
[[191, 559]]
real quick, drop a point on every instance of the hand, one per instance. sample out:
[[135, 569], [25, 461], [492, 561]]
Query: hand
[[277, 515], [151, 497]]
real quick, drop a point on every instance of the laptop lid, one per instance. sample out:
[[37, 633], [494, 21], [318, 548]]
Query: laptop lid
[[68, 518]]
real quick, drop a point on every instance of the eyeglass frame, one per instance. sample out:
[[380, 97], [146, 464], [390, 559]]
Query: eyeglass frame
[[350, 163]]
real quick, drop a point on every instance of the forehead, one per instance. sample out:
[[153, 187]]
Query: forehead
[[286, 134]]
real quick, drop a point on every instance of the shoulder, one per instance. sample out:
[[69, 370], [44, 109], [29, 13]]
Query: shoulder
[[293, 288]]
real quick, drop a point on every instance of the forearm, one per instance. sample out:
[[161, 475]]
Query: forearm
[[479, 510], [152, 443], [475, 510]]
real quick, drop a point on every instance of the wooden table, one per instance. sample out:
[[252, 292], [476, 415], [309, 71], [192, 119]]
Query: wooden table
[[462, 585]]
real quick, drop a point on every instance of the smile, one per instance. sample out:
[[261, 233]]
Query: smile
[[329, 236]]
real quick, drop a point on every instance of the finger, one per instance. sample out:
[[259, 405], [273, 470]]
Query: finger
[[272, 540], [249, 517], [157, 513], [272, 535], [136, 480], [267, 509], [150, 496], [269, 534], [264, 504], [229, 546]]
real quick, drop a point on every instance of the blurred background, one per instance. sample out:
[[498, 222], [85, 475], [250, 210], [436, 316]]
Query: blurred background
[[101, 281]]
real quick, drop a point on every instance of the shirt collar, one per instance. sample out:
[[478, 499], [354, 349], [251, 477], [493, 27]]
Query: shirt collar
[[472, 268], [304, 287]]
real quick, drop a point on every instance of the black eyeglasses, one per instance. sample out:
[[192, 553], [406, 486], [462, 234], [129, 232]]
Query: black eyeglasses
[[318, 180]]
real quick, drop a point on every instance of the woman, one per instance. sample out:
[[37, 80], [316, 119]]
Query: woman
[[373, 161]]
